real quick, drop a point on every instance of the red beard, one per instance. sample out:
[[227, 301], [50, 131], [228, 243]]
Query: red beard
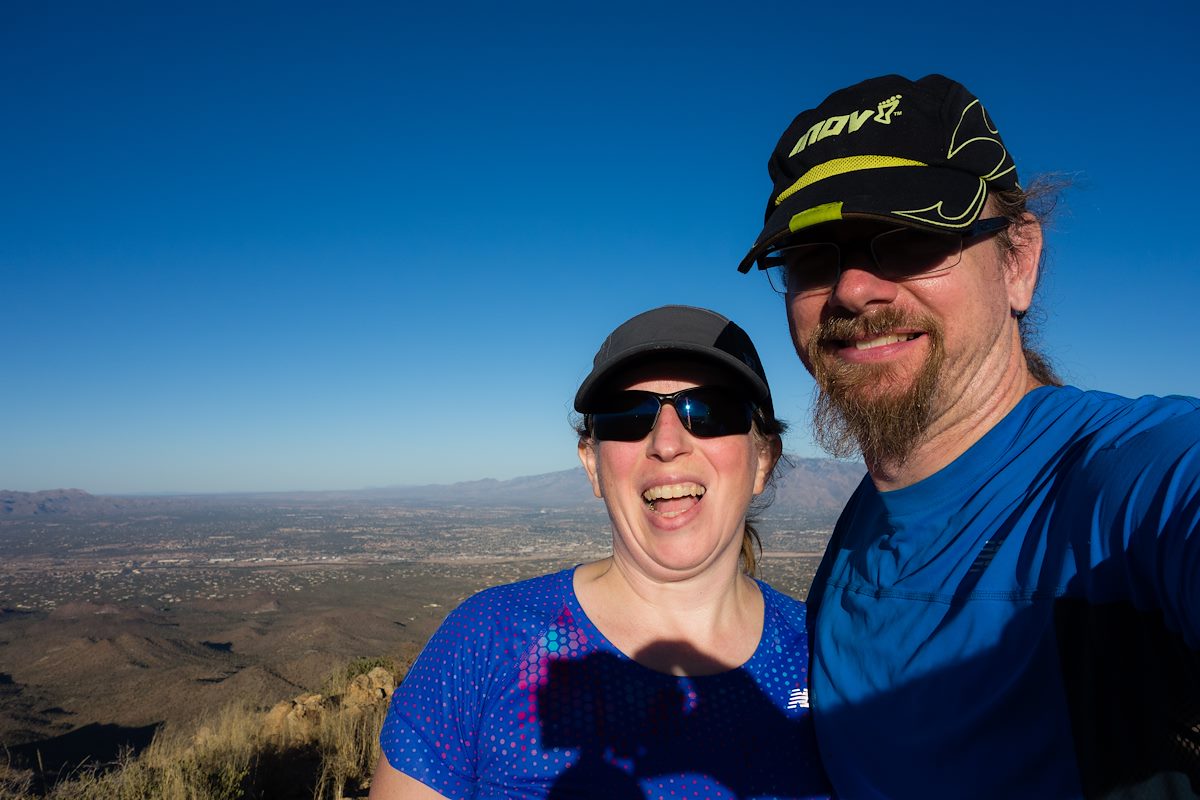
[[870, 408]]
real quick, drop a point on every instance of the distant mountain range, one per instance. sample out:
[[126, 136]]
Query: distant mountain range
[[75, 502], [804, 486]]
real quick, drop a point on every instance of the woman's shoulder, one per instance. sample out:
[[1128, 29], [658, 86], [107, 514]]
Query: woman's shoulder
[[785, 609], [494, 625], [519, 604]]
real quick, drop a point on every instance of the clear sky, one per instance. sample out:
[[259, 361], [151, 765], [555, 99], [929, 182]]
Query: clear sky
[[275, 246]]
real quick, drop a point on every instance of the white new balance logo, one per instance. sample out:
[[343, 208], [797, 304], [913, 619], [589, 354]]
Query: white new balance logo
[[798, 699]]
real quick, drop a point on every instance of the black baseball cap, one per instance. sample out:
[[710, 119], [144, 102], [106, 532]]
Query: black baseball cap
[[923, 154], [695, 333]]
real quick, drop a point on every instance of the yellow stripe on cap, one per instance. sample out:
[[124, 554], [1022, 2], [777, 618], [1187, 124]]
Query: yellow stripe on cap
[[840, 166], [829, 212]]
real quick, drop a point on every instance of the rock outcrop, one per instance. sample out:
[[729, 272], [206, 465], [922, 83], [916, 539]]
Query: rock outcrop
[[302, 716]]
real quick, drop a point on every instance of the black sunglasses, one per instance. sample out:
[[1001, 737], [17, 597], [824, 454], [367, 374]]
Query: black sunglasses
[[706, 411], [798, 269]]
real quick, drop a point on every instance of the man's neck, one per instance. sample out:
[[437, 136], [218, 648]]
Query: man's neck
[[953, 432]]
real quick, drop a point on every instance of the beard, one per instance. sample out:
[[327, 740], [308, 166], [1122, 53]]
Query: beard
[[868, 408]]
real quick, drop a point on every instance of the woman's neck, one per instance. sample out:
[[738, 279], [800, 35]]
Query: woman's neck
[[699, 625]]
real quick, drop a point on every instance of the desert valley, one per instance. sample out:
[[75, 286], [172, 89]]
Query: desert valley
[[119, 616]]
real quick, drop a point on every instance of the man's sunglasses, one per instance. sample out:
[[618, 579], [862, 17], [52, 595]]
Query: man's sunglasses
[[706, 411], [801, 269]]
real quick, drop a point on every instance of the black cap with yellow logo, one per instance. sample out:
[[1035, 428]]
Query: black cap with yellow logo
[[923, 154]]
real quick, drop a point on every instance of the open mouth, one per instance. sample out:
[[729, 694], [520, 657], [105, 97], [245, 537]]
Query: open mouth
[[673, 499]]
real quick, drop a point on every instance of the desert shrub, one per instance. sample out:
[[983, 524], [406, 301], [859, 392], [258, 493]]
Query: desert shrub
[[336, 684], [361, 666]]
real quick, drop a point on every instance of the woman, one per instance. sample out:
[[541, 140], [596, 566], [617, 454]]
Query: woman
[[662, 671]]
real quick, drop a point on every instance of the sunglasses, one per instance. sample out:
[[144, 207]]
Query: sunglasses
[[706, 412], [903, 254]]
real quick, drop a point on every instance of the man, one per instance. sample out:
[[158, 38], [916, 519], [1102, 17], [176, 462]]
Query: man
[[1010, 603]]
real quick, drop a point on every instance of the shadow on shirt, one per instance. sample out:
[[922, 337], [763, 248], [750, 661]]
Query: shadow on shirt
[[628, 724], [1075, 695]]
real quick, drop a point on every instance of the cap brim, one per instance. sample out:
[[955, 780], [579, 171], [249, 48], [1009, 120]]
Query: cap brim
[[930, 198], [596, 386]]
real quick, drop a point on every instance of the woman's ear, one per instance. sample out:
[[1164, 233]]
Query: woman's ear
[[587, 457], [769, 452]]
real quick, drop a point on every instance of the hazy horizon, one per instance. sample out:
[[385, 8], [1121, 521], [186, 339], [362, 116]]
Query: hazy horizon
[[794, 458]]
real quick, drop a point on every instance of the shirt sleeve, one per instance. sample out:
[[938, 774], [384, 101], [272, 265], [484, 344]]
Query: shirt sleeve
[[1150, 493], [431, 727]]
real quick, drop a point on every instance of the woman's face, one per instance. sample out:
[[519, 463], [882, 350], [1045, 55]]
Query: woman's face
[[678, 502]]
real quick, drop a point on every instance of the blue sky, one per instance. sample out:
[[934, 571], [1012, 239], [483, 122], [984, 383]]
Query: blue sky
[[275, 246]]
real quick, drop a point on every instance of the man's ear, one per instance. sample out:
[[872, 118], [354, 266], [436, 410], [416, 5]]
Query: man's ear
[[1021, 267], [587, 457]]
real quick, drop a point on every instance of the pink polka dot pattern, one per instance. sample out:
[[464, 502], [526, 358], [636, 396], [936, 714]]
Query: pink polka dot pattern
[[518, 695]]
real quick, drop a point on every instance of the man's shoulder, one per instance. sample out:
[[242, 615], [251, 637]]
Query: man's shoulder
[[1115, 441], [1096, 398], [1111, 419]]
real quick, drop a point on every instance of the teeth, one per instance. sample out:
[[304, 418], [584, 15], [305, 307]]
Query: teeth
[[882, 340], [672, 491]]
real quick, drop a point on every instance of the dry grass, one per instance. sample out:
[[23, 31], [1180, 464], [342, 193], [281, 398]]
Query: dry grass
[[315, 747], [349, 749]]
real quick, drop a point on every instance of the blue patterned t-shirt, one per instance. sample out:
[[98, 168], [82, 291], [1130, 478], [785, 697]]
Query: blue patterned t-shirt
[[518, 695]]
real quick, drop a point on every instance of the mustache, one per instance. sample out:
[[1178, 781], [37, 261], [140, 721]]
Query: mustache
[[863, 326]]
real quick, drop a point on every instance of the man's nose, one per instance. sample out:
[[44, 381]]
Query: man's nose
[[858, 285]]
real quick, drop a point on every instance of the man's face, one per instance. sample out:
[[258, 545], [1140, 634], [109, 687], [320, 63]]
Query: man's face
[[892, 358]]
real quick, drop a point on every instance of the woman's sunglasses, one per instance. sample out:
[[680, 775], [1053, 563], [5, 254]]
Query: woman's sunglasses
[[706, 411]]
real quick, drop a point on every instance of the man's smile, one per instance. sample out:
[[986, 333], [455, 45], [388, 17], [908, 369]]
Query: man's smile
[[891, 338]]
